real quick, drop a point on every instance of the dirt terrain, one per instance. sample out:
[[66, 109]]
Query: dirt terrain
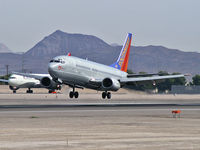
[[98, 128]]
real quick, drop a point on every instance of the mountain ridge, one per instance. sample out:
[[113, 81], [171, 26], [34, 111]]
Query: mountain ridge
[[4, 48], [142, 58]]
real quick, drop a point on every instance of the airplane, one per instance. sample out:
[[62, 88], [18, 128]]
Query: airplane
[[82, 73], [17, 81]]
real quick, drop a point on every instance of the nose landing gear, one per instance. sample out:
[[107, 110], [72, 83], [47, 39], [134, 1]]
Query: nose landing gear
[[106, 94]]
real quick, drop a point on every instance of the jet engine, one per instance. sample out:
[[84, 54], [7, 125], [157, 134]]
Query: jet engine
[[49, 83], [110, 84]]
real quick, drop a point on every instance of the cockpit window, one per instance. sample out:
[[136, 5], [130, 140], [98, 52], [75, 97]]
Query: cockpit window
[[57, 61], [12, 78]]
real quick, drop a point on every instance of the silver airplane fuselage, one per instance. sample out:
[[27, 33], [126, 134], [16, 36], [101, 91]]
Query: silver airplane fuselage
[[75, 71], [82, 73], [23, 82]]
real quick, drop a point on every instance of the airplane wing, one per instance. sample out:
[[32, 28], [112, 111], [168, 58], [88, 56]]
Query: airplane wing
[[141, 75], [126, 80], [3, 80], [30, 75]]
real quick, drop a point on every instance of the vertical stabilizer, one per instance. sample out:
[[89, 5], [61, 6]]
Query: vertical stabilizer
[[122, 61]]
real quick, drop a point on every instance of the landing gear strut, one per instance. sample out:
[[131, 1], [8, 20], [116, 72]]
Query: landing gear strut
[[73, 93], [29, 91], [106, 94]]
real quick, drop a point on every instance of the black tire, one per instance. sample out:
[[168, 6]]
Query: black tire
[[14, 91], [76, 94], [31, 91], [104, 95], [109, 95], [71, 94]]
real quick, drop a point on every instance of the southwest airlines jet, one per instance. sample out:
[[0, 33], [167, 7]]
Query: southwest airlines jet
[[81, 73]]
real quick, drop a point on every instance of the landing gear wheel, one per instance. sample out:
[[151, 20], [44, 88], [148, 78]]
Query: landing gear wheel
[[29, 91], [14, 91], [71, 94], [109, 95], [76, 94], [104, 95]]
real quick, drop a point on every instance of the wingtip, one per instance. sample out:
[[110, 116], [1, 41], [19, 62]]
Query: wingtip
[[187, 74]]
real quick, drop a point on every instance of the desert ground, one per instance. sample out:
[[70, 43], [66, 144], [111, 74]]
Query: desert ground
[[54, 122]]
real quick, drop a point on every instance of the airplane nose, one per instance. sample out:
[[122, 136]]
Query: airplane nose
[[51, 68]]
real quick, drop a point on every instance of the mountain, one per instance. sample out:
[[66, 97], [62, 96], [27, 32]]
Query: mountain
[[12, 60], [156, 58], [4, 49], [61, 43], [142, 58]]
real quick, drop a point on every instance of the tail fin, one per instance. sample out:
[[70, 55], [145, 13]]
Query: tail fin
[[122, 61]]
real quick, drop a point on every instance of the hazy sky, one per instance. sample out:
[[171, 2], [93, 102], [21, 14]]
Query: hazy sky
[[171, 23]]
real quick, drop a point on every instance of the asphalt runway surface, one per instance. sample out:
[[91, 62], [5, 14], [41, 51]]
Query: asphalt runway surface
[[55, 122], [102, 106]]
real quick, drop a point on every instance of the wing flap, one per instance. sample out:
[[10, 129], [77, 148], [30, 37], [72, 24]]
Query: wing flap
[[125, 80], [141, 75]]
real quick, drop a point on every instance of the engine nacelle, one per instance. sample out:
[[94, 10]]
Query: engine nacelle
[[49, 83], [110, 84]]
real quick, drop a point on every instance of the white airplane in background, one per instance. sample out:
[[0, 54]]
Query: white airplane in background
[[81, 73], [17, 81]]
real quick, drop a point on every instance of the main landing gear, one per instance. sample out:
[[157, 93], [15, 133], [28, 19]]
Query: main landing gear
[[73, 93], [106, 94], [29, 91]]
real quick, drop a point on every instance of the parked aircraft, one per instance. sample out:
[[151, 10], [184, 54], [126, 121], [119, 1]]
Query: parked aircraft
[[81, 73], [17, 81]]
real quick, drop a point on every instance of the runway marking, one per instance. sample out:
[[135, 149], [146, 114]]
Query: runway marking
[[100, 110], [113, 105]]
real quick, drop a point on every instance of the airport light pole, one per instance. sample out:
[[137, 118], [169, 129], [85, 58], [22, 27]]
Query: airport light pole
[[7, 66]]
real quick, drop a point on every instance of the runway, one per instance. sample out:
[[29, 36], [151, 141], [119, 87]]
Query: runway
[[54, 122], [111, 105]]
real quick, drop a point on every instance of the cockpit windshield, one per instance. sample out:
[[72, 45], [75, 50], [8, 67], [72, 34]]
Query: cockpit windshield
[[57, 61]]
